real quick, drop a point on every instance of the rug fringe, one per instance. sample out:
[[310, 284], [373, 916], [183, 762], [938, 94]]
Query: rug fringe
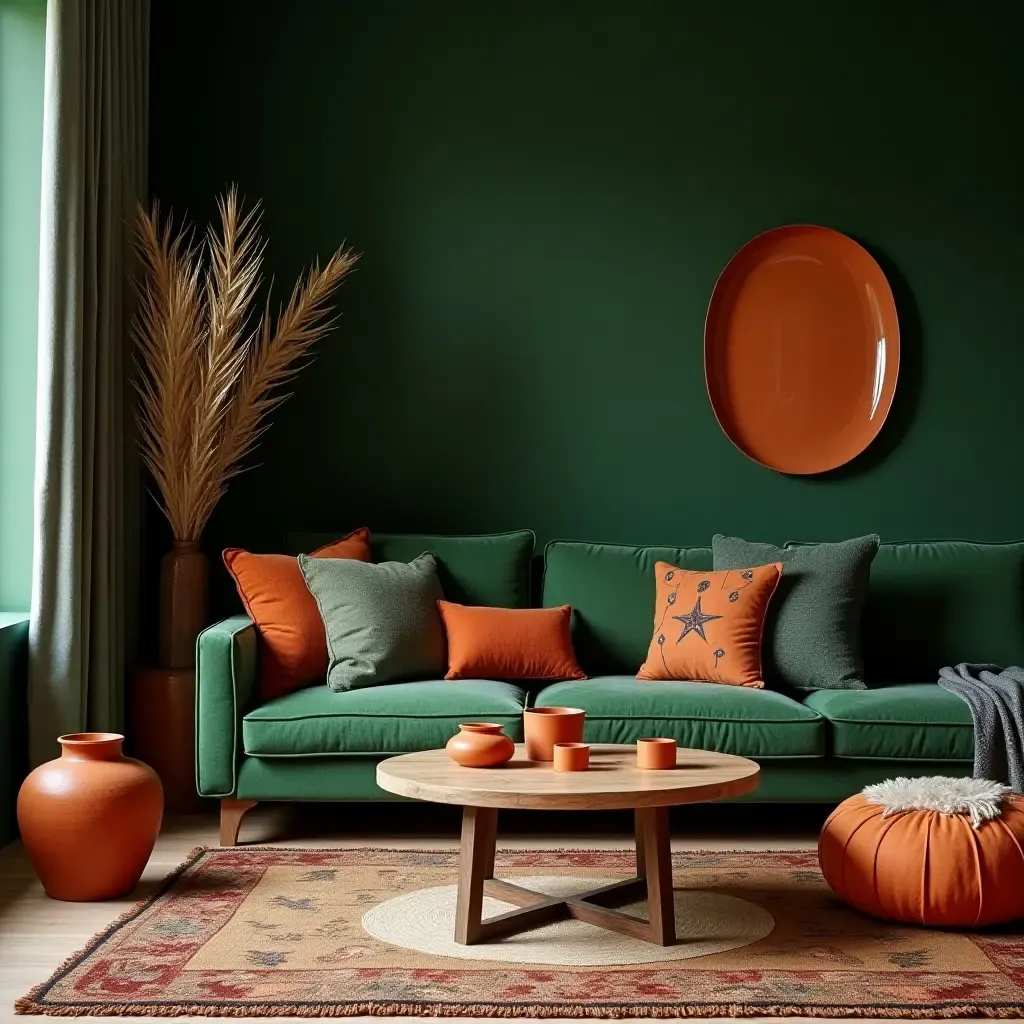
[[191, 858], [26, 1005]]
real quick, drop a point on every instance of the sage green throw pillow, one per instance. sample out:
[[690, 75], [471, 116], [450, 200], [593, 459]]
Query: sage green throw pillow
[[381, 620], [812, 631]]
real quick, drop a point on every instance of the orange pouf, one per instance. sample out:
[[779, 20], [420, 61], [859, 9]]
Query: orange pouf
[[927, 863]]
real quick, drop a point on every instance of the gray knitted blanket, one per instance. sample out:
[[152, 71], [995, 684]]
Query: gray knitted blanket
[[996, 699]]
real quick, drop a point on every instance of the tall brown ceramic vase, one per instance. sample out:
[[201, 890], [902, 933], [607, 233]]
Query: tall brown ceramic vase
[[162, 700], [89, 819], [184, 572], [161, 716]]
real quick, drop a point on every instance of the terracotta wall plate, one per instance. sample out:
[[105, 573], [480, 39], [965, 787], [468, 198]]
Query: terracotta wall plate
[[801, 349]]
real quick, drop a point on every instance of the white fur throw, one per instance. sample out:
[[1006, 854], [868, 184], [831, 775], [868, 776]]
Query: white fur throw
[[979, 799]]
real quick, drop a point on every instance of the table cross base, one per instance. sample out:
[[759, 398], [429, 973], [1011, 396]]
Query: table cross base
[[595, 906]]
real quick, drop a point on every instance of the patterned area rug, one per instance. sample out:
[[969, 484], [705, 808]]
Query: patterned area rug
[[276, 932]]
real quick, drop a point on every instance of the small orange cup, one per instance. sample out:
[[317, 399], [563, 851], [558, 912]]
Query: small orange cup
[[544, 727], [656, 754], [572, 757]]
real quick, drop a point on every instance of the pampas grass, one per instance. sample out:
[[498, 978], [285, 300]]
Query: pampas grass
[[209, 370]]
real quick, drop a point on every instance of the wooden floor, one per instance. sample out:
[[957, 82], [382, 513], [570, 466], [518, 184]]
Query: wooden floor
[[37, 934]]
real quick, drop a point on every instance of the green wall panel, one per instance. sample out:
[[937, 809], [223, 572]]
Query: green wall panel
[[545, 194], [13, 717], [22, 36]]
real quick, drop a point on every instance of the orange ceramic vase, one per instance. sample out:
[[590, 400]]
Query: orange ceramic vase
[[480, 745], [544, 727], [90, 818]]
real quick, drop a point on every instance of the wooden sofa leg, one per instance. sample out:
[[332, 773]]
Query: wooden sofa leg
[[231, 814]]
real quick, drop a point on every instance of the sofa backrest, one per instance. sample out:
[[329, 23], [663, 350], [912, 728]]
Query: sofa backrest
[[935, 603], [488, 569], [929, 604], [611, 590]]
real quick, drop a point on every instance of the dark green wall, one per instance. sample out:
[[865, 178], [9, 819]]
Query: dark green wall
[[545, 193]]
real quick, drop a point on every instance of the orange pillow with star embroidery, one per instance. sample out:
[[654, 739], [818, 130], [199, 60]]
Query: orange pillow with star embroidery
[[708, 625]]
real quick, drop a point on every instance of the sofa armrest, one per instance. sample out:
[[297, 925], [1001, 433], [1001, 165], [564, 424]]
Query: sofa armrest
[[225, 683]]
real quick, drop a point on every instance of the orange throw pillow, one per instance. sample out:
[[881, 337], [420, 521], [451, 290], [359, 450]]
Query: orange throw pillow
[[708, 625], [292, 641], [509, 643]]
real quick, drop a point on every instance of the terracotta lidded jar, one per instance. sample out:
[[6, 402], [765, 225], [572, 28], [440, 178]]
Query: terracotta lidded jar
[[90, 818], [480, 745]]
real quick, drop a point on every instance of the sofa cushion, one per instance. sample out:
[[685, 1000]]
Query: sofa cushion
[[291, 639], [509, 643], [938, 603], [910, 721], [729, 719], [611, 590], [708, 625], [491, 569], [812, 633], [379, 719], [381, 619]]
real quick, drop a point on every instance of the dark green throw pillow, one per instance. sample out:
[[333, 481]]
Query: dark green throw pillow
[[381, 620], [812, 632]]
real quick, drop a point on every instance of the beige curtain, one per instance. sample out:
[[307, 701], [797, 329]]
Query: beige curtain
[[86, 482]]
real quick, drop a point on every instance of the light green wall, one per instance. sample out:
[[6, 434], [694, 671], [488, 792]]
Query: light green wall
[[22, 36]]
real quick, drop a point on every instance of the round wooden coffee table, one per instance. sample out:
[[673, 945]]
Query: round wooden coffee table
[[613, 783]]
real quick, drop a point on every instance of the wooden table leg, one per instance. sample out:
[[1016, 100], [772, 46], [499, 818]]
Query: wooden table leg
[[641, 862], [653, 845], [476, 864]]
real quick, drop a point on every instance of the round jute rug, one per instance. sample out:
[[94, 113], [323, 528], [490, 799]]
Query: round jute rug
[[706, 922]]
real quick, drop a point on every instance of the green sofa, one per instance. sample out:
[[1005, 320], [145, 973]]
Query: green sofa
[[929, 604]]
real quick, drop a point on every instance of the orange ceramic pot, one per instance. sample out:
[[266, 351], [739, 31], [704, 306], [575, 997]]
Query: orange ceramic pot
[[571, 757], [544, 727], [657, 754], [90, 818], [480, 745]]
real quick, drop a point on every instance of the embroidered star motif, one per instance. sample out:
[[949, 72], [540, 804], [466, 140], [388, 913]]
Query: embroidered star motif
[[694, 621]]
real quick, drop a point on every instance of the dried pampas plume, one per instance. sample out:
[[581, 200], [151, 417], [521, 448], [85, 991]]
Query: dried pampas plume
[[208, 371]]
